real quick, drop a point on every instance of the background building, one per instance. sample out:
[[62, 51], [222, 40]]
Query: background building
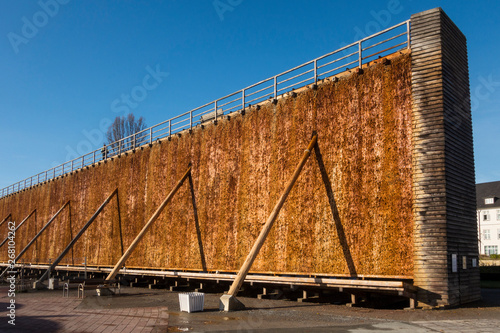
[[488, 217]]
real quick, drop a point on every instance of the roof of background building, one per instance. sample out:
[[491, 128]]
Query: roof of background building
[[488, 190]]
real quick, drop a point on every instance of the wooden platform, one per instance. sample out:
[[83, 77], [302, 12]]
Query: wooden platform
[[395, 287]]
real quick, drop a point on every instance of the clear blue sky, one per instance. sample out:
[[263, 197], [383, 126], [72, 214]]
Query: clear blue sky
[[60, 81]]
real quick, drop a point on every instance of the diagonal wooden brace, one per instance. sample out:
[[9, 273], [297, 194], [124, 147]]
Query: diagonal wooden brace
[[76, 238], [139, 237], [228, 302], [35, 238], [19, 225]]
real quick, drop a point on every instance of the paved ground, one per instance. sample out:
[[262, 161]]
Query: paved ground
[[143, 310]]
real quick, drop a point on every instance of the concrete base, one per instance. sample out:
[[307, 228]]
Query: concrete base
[[39, 285], [230, 303], [53, 283], [268, 296], [104, 291], [309, 299]]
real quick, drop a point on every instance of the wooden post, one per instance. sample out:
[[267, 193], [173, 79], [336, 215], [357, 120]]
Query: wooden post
[[197, 225], [139, 237], [34, 239], [235, 287], [76, 238], [20, 224]]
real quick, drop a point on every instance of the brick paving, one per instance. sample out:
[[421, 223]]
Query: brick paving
[[58, 314], [461, 326], [143, 310]]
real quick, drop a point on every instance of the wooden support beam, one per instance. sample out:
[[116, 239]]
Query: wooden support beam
[[5, 219], [37, 235], [197, 225], [77, 237], [245, 268], [18, 226], [139, 237]]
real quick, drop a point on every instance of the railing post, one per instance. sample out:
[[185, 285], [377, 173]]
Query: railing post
[[54, 173], [93, 158], [135, 141], [119, 147], [408, 34], [215, 104], [315, 70], [151, 135], [72, 164], [83, 161], [191, 119], [243, 99], [170, 127], [360, 51], [38, 179], [275, 87]]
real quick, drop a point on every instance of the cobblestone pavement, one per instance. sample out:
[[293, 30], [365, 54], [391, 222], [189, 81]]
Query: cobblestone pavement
[[461, 326], [144, 310], [53, 313]]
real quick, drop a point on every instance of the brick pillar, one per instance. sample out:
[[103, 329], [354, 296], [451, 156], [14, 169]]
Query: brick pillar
[[443, 161]]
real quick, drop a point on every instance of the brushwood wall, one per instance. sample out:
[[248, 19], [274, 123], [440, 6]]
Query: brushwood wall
[[350, 213]]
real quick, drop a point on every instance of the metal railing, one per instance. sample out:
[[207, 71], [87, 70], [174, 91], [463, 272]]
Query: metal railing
[[354, 55]]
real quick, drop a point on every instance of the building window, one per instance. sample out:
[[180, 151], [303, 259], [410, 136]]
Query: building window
[[486, 234], [490, 249], [498, 215], [486, 215], [498, 233], [489, 201]]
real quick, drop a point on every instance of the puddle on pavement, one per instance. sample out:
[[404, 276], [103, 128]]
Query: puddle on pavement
[[178, 329]]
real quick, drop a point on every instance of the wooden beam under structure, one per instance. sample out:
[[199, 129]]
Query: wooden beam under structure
[[20, 224], [229, 302], [45, 275], [104, 291], [34, 239]]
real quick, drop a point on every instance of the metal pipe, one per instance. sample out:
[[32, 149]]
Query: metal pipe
[[139, 237], [408, 33], [315, 71], [360, 55], [215, 110], [35, 238], [275, 86], [245, 268], [77, 237]]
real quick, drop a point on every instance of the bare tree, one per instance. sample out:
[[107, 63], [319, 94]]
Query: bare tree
[[124, 128]]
